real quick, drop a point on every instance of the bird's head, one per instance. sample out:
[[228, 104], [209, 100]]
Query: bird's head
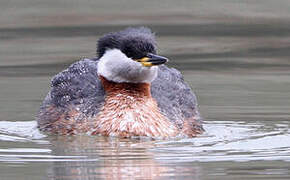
[[129, 56]]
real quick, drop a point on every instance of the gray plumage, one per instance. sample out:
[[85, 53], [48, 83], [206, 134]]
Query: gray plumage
[[79, 86]]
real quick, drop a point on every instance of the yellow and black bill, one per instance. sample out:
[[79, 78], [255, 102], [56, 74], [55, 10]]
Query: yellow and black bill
[[152, 60]]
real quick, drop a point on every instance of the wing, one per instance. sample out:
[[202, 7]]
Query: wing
[[174, 97], [78, 87]]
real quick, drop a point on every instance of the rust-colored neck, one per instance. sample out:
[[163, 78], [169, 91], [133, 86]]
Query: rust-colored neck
[[111, 88]]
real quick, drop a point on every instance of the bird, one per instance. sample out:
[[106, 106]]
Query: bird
[[125, 91]]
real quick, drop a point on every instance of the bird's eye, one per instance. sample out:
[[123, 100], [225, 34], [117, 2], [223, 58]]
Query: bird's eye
[[133, 54]]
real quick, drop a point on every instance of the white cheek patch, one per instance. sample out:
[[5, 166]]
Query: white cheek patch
[[117, 67]]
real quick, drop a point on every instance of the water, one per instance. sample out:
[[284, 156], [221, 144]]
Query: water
[[228, 149], [235, 55]]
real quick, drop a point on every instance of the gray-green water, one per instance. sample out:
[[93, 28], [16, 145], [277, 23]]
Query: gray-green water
[[234, 54]]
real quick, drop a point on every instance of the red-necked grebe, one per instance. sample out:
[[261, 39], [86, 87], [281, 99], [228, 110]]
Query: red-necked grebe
[[126, 91]]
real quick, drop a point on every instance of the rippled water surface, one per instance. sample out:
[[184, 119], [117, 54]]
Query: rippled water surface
[[234, 55]]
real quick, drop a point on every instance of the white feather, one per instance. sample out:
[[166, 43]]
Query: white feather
[[117, 67]]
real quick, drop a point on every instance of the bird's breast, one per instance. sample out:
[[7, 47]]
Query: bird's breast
[[130, 112]]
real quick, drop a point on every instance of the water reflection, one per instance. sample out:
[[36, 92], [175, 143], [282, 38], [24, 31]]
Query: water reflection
[[110, 158], [94, 157]]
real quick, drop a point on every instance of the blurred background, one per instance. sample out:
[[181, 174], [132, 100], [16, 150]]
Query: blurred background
[[221, 47], [234, 54]]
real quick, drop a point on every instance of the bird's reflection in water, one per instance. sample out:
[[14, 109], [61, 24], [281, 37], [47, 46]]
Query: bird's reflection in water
[[109, 158]]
